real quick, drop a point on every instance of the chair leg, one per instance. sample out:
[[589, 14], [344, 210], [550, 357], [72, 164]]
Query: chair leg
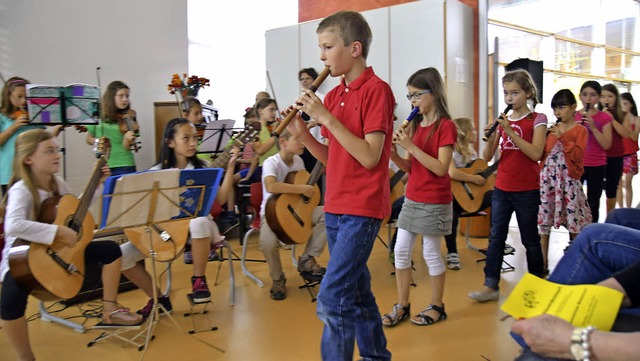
[[244, 258]]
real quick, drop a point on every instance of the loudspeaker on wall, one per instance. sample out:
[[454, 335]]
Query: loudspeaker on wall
[[534, 68]]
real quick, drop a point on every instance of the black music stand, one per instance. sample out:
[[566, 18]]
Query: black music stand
[[74, 104], [160, 204], [217, 135]]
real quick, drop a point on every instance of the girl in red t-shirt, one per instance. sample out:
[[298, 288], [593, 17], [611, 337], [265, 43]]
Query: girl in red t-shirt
[[630, 162], [610, 103], [428, 143], [562, 200], [517, 189]]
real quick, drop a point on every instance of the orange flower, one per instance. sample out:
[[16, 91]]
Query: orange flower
[[186, 85]]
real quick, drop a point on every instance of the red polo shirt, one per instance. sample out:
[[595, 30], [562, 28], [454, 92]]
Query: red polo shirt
[[364, 106]]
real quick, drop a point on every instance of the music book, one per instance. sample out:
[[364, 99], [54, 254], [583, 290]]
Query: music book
[[580, 305], [67, 104]]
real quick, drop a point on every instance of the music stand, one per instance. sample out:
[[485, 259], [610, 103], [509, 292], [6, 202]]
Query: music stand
[[216, 136], [154, 207], [74, 104]]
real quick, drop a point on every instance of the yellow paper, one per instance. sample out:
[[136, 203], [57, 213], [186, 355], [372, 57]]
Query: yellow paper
[[581, 305]]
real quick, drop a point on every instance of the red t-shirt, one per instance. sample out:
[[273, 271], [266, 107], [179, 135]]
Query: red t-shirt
[[516, 171], [364, 106], [617, 144], [630, 146], [424, 186]]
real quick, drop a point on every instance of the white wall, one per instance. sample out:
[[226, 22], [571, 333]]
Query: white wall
[[140, 42], [406, 38]]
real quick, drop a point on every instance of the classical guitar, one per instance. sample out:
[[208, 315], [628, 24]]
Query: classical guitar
[[396, 187], [470, 195], [54, 272], [247, 135], [167, 238], [289, 215]]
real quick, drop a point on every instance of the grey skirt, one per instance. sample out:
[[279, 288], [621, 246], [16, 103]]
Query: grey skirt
[[424, 218]]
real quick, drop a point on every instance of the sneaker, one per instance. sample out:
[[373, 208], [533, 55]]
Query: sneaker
[[279, 289], [309, 264], [508, 249], [200, 290], [188, 257], [164, 301], [453, 261]]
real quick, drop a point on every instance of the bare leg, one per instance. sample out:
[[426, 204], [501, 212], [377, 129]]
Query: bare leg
[[403, 283], [544, 242], [18, 335], [200, 248], [437, 294], [110, 282], [611, 204], [628, 187], [141, 278]]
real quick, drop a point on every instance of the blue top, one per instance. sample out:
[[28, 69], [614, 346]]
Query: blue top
[[8, 149]]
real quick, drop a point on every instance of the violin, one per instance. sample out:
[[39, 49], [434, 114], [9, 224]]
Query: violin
[[200, 131], [127, 122]]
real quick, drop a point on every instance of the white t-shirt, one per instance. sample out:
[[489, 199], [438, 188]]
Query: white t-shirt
[[274, 166], [18, 221]]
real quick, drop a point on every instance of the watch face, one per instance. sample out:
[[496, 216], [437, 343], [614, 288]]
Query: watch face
[[577, 351]]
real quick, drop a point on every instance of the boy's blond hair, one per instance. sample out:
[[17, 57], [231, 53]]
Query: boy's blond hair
[[285, 135], [351, 26]]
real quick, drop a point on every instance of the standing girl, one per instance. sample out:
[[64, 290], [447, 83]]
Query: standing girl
[[517, 189], [13, 121], [36, 163], [113, 125], [463, 154], [610, 103], [428, 143], [562, 200], [266, 144], [598, 124], [630, 160], [178, 150]]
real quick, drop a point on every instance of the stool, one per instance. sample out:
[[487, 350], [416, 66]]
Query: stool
[[309, 284], [192, 312]]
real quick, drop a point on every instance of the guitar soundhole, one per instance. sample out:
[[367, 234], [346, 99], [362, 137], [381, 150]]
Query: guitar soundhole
[[74, 224]]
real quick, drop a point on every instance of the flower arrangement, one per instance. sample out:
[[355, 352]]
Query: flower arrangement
[[187, 85]]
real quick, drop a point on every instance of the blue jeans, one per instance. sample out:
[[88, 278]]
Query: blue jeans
[[503, 204], [346, 304], [598, 252], [627, 217]]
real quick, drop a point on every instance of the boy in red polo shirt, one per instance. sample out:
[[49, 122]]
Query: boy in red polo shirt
[[357, 121]]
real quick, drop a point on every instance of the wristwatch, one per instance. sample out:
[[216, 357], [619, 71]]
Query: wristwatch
[[580, 348]]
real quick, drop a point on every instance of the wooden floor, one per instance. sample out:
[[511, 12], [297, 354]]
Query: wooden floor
[[258, 328]]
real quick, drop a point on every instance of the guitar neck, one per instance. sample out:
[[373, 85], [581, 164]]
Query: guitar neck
[[317, 171], [396, 178], [87, 195], [489, 171]]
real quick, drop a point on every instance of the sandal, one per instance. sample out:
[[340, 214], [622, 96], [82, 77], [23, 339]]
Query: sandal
[[422, 319], [393, 317], [120, 317]]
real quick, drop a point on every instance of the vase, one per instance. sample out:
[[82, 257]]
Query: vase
[[189, 93]]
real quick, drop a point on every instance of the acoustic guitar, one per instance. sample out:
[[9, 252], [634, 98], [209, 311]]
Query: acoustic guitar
[[470, 195], [247, 135], [289, 215], [53, 272]]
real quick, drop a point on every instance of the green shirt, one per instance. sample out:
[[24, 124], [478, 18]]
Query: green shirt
[[118, 157]]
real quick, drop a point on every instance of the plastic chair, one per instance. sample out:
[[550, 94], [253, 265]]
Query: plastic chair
[[255, 201]]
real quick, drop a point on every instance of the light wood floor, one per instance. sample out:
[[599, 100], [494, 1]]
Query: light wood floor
[[258, 328]]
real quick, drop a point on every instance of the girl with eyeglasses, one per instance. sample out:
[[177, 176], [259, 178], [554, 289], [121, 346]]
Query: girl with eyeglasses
[[428, 143], [517, 188]]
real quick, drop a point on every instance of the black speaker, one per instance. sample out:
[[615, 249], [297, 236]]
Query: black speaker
[[534, 68], [92, 285]]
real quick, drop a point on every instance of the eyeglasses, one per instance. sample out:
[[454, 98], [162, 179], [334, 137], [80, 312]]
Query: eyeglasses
[[416, 96]]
